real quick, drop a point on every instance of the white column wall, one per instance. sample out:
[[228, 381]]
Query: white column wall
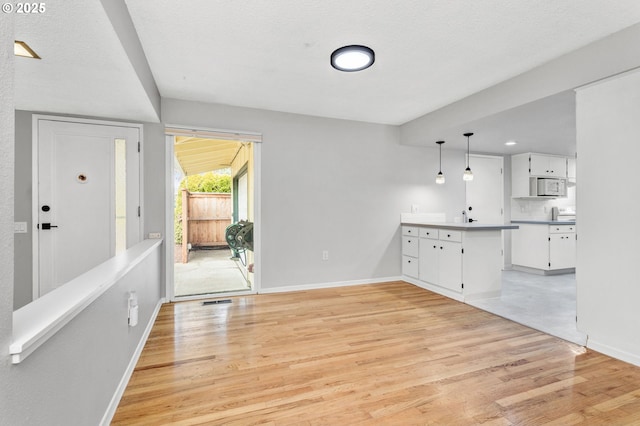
[[608, 202]]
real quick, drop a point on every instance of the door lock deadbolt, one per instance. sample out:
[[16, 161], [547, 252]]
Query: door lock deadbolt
[[46, 208]]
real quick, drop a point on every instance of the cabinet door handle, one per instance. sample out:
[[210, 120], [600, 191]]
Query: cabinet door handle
[[440, 247], [434, 246]]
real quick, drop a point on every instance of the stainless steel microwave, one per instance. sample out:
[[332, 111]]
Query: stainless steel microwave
[[552, 187]]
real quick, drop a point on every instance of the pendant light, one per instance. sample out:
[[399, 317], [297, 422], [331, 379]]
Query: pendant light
[[440, 176], [468, 174]]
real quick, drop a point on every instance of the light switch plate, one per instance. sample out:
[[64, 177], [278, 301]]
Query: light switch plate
[[20, 227]]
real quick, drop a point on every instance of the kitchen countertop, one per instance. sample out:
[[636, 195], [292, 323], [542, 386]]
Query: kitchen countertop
[[460, 226], [545, 222]]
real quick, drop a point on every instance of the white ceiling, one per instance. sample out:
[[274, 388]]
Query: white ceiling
[[274, 54], [84, 69], [547, 125]]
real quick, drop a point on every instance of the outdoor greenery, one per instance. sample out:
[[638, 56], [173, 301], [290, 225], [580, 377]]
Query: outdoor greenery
[[205, 182]]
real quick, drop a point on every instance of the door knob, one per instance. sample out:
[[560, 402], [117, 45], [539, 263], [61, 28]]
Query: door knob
[[47, 226]]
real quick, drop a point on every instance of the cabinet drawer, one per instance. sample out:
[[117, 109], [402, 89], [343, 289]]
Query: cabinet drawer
[[448, 235], [410, 246], [429, 233], [410, 230], [561, 229], [410, 266]]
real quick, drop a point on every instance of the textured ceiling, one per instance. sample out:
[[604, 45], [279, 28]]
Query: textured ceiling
[[547, 125], [274, 54], [84, 69]]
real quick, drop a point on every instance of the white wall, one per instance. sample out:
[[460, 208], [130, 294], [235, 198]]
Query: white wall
[[72, 378], [332, 185], [608, 148], [6, 206], [153, 183]]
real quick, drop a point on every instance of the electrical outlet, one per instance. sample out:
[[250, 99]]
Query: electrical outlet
[[155, 235], [414, 208], [325, 254]]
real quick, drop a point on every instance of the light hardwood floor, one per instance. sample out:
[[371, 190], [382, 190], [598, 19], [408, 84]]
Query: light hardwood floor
[[390, 354]]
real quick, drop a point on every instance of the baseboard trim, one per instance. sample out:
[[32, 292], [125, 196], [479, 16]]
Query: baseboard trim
[[613, 352], [536, 271], [318, 286], [115, 400]]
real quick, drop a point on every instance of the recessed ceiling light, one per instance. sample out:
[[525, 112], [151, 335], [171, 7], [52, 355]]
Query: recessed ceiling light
[[352, 58], [20, 48], [510, 143]]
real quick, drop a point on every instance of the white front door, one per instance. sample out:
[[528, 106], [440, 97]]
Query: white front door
[[484, 194], [86, 198]]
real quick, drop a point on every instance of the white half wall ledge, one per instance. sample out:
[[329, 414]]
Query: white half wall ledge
[[35, 323], [609, 56]]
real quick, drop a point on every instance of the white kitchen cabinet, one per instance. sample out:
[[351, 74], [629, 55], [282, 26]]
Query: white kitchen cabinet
[[410, 250], [441, 263], [429, 268], [410, 246], [571, 169], [410, 266], [450, 266], [528, 167], [562, 251], [461, 261], [544, 248], [548, 165]]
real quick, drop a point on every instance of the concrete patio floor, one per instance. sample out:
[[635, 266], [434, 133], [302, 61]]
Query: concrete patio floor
[[209, 271]]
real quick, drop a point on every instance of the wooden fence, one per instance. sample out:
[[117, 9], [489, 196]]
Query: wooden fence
[[205, 216]]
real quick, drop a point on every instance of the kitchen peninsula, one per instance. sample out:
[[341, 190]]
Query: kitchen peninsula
[[462, 261]]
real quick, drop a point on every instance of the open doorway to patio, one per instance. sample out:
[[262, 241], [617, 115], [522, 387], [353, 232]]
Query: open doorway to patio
[[213, 199]]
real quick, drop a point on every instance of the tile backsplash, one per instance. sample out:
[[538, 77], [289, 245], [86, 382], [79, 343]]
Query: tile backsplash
[[540, 209]]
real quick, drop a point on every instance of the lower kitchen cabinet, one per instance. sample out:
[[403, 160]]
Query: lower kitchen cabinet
[[562, 251], [429, 260], [450, 274], [544, 248], [441, 263], [410, 248], [462, 264], [410, 266]]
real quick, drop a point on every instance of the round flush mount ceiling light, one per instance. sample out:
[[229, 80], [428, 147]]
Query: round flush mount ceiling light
[[510, 143], [352, 58]]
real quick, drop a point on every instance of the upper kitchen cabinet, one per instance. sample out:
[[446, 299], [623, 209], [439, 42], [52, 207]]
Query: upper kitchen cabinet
[[538, 176], [547, 165], [571, 169]]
